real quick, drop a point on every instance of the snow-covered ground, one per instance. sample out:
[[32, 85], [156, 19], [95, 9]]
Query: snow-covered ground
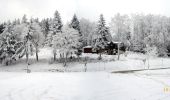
[[109, 63], [83, 86], [54, 82]]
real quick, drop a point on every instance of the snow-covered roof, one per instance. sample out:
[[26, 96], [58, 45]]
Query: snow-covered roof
[[116, 42], [88, 46]]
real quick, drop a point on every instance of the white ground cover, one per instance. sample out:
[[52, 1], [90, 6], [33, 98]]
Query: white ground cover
[[54, 82], [131, 62], [83, 86]]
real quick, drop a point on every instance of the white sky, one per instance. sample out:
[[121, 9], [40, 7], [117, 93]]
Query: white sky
[[90, 9]]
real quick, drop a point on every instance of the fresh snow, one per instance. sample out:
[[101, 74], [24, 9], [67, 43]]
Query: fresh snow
[[54, 82], [108, 63], [82, 86]]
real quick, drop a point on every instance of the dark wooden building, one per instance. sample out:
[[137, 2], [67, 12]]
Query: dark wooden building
[[110, 49], [88, 49]]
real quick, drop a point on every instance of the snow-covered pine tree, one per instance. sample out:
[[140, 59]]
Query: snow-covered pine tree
[[102, 36], [20, 30], [2, 27], [45, 26], [9, 43], [55, 27], [75, 24], [24, 19], [6, 49], [48, 39]]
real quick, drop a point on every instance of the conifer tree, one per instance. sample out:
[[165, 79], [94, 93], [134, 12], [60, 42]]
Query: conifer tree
[[55, 27], [75, 24], [9, 43], [45, 26], [2, 27], [102, 35], [24, 19]]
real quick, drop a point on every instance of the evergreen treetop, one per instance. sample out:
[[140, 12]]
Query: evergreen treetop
[[75, 23]]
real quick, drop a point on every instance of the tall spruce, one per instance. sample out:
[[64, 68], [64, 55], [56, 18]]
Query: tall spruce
[[102, 35], [56, 24], [54, 27], [75, 24], [45, 26], [24, 19]]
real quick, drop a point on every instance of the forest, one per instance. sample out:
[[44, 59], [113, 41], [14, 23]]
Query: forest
[[139, 32]]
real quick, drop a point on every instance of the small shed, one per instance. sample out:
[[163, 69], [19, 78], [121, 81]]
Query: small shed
[[111, 48], [87, 49]]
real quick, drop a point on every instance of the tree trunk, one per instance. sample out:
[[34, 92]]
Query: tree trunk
[[60, 56], [54, 56], [27, 57], [148, 63], [100, 56], [37, 53], [65, 60], [118, 52]]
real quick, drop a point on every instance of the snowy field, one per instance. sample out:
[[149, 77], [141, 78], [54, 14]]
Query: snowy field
[[83, 86], [109, 63], [54, 82]]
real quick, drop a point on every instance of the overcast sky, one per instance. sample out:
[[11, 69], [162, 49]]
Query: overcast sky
[[90, 9]]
